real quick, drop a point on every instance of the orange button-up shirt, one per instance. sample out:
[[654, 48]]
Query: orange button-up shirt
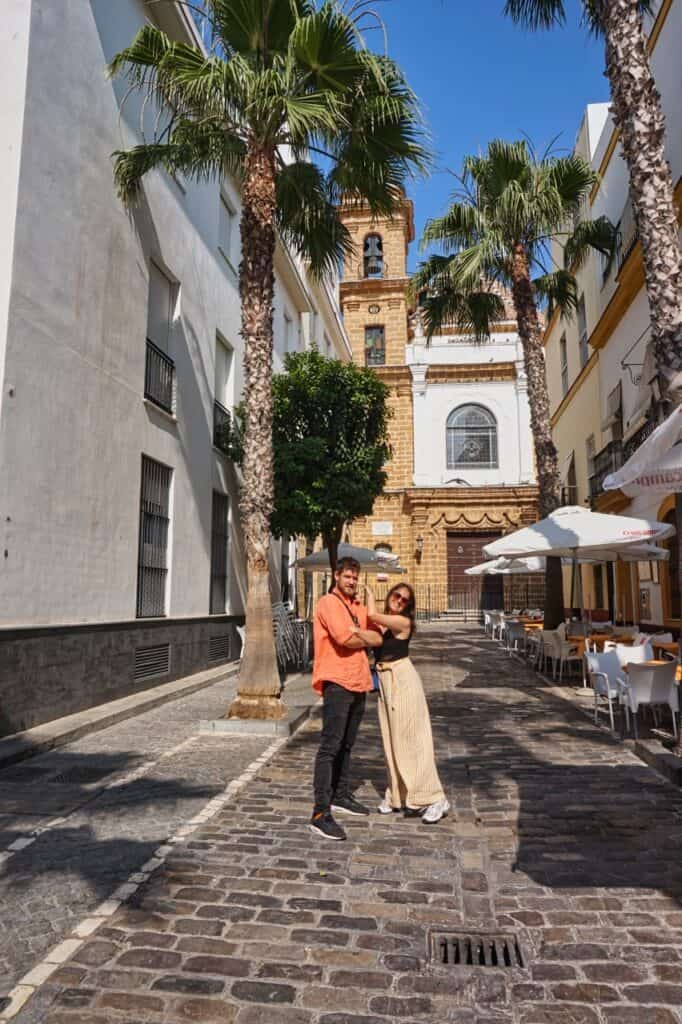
[[332, 627]]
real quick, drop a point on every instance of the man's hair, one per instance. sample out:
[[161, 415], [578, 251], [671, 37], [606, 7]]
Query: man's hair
[[347, 563]]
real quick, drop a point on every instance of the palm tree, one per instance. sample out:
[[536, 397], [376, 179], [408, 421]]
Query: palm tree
[[497, 234], [638, 115], [290, 101]]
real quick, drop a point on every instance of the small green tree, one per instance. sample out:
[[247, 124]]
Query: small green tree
[[330, 443]]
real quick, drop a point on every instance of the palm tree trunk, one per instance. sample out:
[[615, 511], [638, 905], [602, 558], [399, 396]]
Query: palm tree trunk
[[546, 460], [258, 686], [638, 114]]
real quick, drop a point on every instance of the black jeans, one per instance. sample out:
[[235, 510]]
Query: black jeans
[[342, 712]]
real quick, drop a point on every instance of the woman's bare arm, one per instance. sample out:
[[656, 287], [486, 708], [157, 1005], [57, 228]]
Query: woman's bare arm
[[396, 623]]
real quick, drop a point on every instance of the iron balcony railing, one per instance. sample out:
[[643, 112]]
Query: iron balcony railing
[[633, 443], [222, 428], [159, 378], [608, 460]]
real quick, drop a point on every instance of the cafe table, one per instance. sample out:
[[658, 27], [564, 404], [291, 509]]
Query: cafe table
[[598, 640]]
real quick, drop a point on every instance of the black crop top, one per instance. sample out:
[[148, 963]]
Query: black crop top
[[391, 648]]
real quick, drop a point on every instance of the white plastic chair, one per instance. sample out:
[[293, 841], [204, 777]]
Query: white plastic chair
[[488, 623], [650, 684], [603, 671], [633, 655], [565, 652], [515, 636], [495, 620]]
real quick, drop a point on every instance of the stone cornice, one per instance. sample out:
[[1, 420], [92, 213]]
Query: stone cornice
[[374, 287], [469, 372]]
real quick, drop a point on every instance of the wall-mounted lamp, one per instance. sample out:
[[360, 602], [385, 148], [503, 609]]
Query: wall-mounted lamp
[[419, 543]]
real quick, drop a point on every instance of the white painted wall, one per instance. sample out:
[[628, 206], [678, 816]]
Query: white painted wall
[[72, 437], [433, 403], [14, 36]]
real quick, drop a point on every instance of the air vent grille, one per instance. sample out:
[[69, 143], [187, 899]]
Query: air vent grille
[[151, 662], [219, 648]]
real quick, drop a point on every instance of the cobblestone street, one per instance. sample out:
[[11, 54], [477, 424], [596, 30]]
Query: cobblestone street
[[559, 835]]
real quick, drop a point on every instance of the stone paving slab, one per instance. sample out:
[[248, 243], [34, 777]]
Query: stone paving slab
[[560, 835], [95, 810]]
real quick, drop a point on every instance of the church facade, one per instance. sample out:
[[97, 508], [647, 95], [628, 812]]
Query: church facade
[[462, 469]]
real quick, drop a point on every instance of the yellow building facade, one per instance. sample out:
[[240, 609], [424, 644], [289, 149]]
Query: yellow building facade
[[461, 471], [601, 398]]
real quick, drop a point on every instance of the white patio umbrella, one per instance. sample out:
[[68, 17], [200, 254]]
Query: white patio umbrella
[[370, 561], [571, 531], [507, 566], [656, 466]]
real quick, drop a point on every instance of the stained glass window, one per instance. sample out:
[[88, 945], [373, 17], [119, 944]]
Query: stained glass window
[[471, 438]]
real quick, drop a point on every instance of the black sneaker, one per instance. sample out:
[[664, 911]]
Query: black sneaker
[[326, 826], [349, 805], [413, 812]]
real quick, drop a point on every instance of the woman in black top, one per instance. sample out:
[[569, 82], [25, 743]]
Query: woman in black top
[[413, 781]]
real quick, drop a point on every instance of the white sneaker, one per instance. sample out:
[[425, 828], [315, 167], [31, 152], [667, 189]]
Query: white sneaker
[[434, 812], [385, 807]]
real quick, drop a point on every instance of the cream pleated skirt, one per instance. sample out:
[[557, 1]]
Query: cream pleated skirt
[[406, 733]]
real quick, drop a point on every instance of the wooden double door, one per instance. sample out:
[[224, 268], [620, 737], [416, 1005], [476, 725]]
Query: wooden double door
[[469, 595]]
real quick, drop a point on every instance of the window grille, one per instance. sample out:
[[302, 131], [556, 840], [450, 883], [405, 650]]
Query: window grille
[[152, 560], [471, 438], [219, 552], [373, 256], [375, 346]]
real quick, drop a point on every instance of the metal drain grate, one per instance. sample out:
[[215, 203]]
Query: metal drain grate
[[473, 949], [151, 661], [219, 648]]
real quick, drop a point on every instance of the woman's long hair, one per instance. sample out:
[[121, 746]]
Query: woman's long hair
[[409, 610]]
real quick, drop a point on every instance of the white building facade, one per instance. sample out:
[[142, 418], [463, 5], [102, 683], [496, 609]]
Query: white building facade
[[120, 362]]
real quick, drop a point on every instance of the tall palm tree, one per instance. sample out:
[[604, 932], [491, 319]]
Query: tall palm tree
[[638, 115], [291, 102], [498, 231]]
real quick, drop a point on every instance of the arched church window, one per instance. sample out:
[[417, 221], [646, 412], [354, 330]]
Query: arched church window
[[373, 256], [383, 549], [471, 436]]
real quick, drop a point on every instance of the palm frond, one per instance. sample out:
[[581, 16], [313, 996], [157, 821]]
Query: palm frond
[[599, 234], [307, 217], [536, 14], [558, 289]]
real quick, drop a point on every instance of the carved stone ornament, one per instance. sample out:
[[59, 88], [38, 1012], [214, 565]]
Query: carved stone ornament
[[477, 519]]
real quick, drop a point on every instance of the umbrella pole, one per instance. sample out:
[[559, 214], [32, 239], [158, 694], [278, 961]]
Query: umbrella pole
[[570, 600], [580, 593], [632, 592]]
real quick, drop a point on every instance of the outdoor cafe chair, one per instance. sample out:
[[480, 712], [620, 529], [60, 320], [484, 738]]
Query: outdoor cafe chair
[[633, 655], [565, 653], [488, 623], [650, 685], [495, 624], [603, 671], [515, 637], [534, 647]]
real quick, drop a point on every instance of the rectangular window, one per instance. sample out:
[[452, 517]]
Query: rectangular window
[[590, 451], [582, 332], [223, 397], [375, 346], [224, 357], [159, 369], [290, 334], [219, 553], [563, 362], [152, 559], [227, 230], [160, 310]]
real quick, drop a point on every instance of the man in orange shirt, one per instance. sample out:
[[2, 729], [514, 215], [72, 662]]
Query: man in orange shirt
[[341, 674]]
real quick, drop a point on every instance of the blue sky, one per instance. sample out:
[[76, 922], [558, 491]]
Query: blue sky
[[480, 77]]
